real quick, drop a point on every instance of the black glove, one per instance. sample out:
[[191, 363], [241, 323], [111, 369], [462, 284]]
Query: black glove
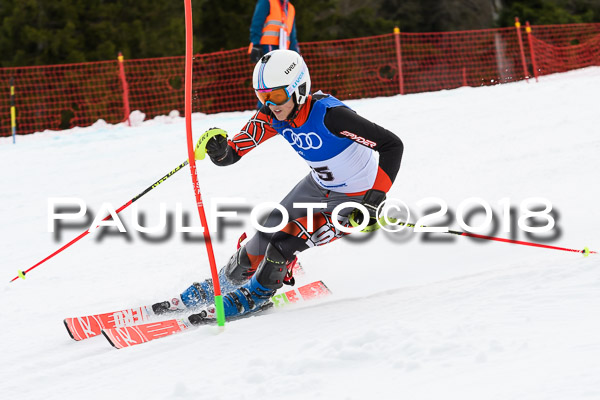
[[217, 147], [256, 54], [371, 200]]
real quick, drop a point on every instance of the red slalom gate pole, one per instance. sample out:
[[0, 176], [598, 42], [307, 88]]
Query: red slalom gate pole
[[399, 59], [126, 110], [520, 39], [189, 51], [531, 50]]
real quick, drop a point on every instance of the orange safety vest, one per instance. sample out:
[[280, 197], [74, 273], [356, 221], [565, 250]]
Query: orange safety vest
[[276, 21]]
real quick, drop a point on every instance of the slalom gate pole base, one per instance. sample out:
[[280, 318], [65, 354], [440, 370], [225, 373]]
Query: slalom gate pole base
[[220, 309]]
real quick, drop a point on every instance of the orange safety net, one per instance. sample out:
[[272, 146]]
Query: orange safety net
[[63, 96], [466, 58], [155, 85], [560, 48], [353, 68]]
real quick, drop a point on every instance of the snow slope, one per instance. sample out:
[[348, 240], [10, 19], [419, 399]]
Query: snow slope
[[412, 316]]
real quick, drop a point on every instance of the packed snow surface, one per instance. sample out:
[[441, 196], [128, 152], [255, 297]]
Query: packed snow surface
[[412, 315]]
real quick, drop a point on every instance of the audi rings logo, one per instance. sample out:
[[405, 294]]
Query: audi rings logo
[[305, 141]]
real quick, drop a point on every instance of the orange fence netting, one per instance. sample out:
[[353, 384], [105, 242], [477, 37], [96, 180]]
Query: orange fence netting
[[63, 96]]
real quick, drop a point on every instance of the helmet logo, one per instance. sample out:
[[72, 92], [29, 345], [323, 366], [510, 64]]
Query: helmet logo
[[293, 86], [290, 68]]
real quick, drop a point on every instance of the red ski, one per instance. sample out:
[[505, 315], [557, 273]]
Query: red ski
[[128, 336], [132, 335], [81, 328]]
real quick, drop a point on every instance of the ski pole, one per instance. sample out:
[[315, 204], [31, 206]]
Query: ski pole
[[189, 50], [586, 251], [22, 274], [384, 221]]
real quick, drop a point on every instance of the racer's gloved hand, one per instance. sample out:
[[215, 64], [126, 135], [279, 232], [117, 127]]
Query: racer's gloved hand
[[212, 142], [217, 146], [371, 201], [256, 54]]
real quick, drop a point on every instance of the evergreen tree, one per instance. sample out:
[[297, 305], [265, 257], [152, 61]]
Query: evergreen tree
[[39, 32], [222, 25], [548, 12]]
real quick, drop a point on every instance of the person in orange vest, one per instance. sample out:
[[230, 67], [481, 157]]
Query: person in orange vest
[[273, 27]]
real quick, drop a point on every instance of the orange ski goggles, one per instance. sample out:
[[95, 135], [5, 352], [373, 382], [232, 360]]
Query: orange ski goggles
[[277, 96]]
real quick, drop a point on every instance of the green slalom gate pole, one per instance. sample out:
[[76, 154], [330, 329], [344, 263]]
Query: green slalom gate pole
[[189, 50]]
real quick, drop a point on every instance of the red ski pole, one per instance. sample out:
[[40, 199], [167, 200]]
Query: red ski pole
[[586, 251], [22, 274], [394, 222]]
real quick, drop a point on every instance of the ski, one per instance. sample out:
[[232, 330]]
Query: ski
[[85, 327], [89, 326], [127, 336]]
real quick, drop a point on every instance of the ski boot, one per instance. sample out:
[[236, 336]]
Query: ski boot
[[255, 294], [200, 294]]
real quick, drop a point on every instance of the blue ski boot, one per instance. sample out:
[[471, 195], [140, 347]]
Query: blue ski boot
[[200, 294], [255, 294]]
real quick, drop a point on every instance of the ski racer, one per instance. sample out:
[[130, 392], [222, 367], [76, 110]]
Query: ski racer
[[351, 158]]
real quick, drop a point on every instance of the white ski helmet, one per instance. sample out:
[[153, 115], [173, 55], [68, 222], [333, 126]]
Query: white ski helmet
[[282, 69]]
